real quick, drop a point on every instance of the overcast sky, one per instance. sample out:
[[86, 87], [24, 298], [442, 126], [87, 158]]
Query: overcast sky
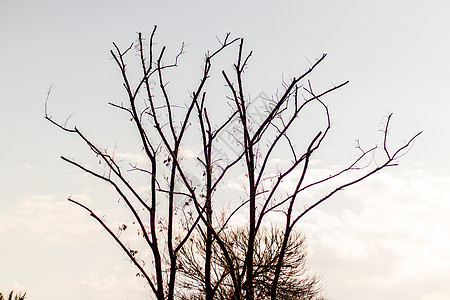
[[387, 238]]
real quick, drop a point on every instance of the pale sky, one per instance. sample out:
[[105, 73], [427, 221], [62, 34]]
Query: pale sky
[[387, 238]]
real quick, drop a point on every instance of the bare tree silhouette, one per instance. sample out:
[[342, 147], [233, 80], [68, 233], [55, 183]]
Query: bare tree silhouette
[[176, 211]]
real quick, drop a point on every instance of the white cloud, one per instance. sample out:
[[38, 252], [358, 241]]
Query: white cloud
[[137, 158], [48, 216], [112, 280], [392, 235], [191, 151], [235, 185]]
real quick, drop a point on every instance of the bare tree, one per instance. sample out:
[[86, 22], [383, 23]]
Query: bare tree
[[178, 206]]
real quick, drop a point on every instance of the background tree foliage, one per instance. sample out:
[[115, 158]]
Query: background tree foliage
[[17, 296], [295, 282]]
